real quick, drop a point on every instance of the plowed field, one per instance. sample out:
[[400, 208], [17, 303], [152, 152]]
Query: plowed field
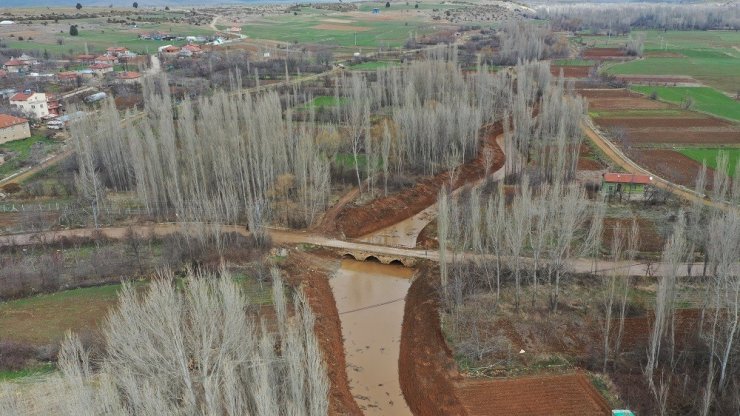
[[571, 71], [670, 165], [690, 136], [569, 394], [660, 122], [604, 53]]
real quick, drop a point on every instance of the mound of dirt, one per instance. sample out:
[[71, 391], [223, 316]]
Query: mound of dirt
[[354, 221], [425, 363]]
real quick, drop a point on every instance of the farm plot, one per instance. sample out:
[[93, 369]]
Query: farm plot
[[710, 156], [670, 165], [604, 53], [619, 99], [568, 394], [705, 99], [572, 71]]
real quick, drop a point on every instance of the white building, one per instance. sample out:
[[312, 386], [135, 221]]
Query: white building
[[31, 103]]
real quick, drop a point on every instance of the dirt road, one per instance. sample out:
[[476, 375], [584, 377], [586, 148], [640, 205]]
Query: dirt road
[[290, 237]]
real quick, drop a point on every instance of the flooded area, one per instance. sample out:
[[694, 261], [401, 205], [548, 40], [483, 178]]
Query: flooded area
[[370, 299]]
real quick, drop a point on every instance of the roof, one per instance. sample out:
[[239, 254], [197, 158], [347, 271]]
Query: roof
[[192, 48], [104, 58], [170, 49], [22, 96], [628, 178], [67, 75], [101, 66], [128, 75], [15, 62], [6, 120]]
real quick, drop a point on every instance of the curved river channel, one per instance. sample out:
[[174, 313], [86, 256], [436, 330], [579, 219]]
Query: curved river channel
[[370, 298]]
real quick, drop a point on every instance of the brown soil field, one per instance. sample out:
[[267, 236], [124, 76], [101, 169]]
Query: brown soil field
[[690, 136], [348, 28], [606, 93], [425, 365], [355, 221], [657, 79], [637, 329], [670, 165], [310, 271], [650, 240], [596, 53], [663, 122], [571, 71], [627, 103], [587, 159], [568, 394]]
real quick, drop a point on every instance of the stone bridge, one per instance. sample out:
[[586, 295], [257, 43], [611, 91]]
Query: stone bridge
[[361, 255]]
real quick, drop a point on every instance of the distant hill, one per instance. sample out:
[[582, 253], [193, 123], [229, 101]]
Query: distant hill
[[121, 3]]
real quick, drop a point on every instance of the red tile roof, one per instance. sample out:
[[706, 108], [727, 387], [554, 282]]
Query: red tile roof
[[100, 66], [171, 49], [67, 75], [21, 96], [628, 178], [192, 48], [105, 58], [6, 120], [128, 75], [15, 62]]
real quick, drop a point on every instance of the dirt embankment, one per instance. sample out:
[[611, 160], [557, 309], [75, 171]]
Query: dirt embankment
[[425, 365], [312, 273], [355, 221]]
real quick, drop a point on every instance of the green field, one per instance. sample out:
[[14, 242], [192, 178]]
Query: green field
[[338, 29], [707, 100], [23, 150], [324, 101], [710, 57], [573, 62], [98, 35], [44, 319], [710, 155], [372, 65]]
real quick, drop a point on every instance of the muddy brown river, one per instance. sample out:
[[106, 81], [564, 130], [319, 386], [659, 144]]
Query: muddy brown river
[[370, 299]]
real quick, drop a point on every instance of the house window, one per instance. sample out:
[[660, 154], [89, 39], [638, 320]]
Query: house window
[[33, 106]]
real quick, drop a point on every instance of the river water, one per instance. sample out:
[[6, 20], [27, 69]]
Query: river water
[[370, 298]]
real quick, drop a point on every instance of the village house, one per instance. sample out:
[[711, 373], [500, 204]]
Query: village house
[[627, 185], [169, 51], [68, 77], [106, 59], [85, 59], [129, 77], [32, 103], [54, 105], [100, 69], [15, 66], [13, 128], [190, 50]]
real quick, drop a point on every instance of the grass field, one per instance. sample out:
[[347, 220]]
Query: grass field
[[358, 29], [573, 62], [23, 150], [707, 100], [94, 34], [44, 319], [373, 65], [39, 370], [710, 57], [324, 101], [710, 155]]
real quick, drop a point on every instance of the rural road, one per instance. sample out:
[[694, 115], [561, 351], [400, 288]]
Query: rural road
[[290, 237]]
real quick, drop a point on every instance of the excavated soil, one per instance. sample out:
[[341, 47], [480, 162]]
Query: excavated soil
[[311, 272], [568, 394], [425, 364], [355, 221]]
